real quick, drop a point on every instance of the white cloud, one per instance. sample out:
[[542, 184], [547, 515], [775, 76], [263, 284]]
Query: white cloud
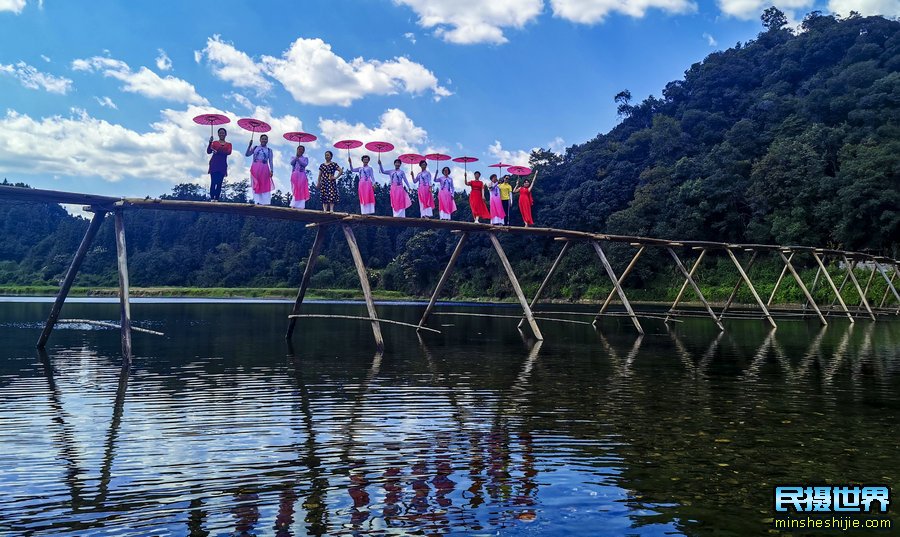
[[143, 82], [557, 145], [516, 157], [710, 40], [474, 21], [593, 11], [751, 9], [411, 37], [233, 65], [45, 58], [31, 78], [171, 150], [16, 6], [163, 62], [313, 74], [240, 99], [888, 8], [394, 126], [106, 102]]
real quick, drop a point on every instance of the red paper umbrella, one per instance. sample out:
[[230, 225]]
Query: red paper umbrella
[[300, 137], [411, 158], [437, 157], [348, 145], [519, 170], [380, 147], [254, 125], [211, 119], [465, 161], [500, 165]]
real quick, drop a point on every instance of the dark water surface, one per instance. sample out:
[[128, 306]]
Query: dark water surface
[[221, 429]]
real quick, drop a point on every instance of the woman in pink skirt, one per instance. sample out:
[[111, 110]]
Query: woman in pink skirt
[[399, 198], [446, 203], [261, 171], [497, 213], [299, 179], [366, 185], [426, 196]]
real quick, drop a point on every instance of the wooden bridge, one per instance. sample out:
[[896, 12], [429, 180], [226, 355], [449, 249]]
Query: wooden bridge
[[887, 268]]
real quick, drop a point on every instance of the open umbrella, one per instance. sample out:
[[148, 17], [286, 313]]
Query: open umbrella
[[380, 147], [437, 157], [254, 126], [348, 145], [465, 162], [519, 170], [211, 119], [500, 165], [300, 137], [411, 158]]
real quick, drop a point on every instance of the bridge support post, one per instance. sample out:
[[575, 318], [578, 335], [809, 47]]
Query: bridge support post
[[890, 284], [444, 277], [624, 275], [737, 286], [850, 268], [69, 279], [124, 287], [859, 290], [690, 279], [681, 291], [868, 286], [518, 289], [364, 283], [546, 281], [747, 281], [307, 275], [812, 288], [834, 288], [780, 278], [615, 281], [806, 293]]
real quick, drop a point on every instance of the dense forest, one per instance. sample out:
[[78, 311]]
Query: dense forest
[[792, 138]]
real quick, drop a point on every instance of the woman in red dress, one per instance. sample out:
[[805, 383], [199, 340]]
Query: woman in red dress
[[525, 202], [476, 197]]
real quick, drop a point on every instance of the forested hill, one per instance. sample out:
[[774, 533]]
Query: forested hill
[[791, 138]]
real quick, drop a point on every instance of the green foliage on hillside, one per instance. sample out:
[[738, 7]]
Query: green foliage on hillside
[[793, 138]]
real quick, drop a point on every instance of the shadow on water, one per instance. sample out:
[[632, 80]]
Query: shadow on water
[[221, 429]]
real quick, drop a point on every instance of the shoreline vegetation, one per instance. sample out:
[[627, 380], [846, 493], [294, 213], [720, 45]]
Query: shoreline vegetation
[[286, 293]]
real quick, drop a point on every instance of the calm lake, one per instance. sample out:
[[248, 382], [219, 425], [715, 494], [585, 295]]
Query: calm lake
[[221, 429]]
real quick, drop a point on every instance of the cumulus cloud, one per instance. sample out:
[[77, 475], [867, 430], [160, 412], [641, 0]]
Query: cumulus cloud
[[313, 74], [106, 102], [31, 78], [888, 8], [171, 150], [520, 157], [751, 9], [393, 126], [593, 11], [143, 81], [16, 6], [411, 37], [473, 21], [163, 62], [233, 65]]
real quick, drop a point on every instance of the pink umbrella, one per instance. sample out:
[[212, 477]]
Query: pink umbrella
[[519, 170], [380, 147], [211, 119], [465, 161], [500, 165], [411, 158], [254, 126], [437, 157], [299, 137], [348, 145]]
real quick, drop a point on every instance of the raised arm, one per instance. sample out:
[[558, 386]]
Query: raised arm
[[209, 148], [249, 149], [381, 168]]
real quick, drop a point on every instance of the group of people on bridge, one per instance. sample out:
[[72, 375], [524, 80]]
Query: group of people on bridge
[[496, 210]]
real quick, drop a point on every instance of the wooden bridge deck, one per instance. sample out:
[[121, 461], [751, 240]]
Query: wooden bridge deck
[[100, 206]]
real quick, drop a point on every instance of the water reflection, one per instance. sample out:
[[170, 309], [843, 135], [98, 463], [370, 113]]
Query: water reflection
[[682, 431]]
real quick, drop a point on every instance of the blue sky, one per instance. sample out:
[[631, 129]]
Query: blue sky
[[97, 97]]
